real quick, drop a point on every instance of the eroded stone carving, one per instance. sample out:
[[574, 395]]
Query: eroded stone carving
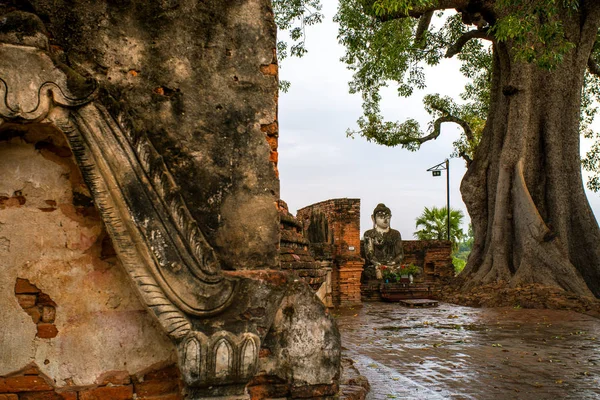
[[219, 320], [166, 255], [29, 93], [220, 358]]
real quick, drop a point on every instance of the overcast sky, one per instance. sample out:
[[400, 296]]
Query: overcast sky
[[318, 162]]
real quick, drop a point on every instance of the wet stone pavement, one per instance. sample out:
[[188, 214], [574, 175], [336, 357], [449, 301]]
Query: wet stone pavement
[[454, 352]]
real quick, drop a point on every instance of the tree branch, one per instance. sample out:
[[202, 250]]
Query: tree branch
[[424, 22], [417, 12], [450, 118], [465, 157], [437, 130], [593, 67], [460, 43]]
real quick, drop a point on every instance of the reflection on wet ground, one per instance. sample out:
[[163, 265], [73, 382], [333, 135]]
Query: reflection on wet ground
[[454, 352]]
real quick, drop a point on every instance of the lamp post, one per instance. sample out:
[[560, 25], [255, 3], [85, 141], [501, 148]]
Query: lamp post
[[436, 170]]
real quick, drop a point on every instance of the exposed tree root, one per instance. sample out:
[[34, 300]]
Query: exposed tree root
[[537, 296], [543, 258]]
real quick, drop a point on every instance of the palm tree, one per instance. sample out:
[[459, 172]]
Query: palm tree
[[432, 225]]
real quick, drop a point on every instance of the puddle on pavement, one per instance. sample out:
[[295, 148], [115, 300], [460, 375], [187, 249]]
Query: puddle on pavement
[[468, 353]]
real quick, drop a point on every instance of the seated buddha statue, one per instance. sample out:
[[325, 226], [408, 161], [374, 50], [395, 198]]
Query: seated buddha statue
[[382, 244]]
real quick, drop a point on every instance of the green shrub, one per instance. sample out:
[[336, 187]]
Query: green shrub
[[459, 264]]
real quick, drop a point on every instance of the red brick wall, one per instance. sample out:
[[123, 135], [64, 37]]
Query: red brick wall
[[294, 255], [434, 256], [65, 301], [157, 384], [272, 135], [271, 130], [343, 217], [348, 282], [40, 307]]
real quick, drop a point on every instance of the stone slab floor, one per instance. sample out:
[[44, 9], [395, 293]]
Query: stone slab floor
[[454, 352]]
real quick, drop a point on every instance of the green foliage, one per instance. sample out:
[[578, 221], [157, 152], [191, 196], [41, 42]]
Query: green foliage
[[383, 52], [374, 53], [459, 264], [402, 7], [393, 274], [472, 114], [535, 29], [466, 244], [294, 16], [461, 255], [432, 225], [382, 49], [377, 53], [589, 109]]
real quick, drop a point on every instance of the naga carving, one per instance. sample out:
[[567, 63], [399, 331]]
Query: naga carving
[[174, 269], [218, 320]]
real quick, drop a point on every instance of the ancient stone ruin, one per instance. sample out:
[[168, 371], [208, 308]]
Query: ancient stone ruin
[[139, 230], [296, 257], [332, 230]]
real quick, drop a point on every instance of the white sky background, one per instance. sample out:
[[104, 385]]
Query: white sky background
[[318, 162]]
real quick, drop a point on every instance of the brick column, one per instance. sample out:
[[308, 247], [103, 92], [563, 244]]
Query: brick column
[[343, 238]]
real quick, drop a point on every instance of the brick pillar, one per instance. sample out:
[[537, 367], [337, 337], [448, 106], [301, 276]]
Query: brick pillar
[[343, 241], [349, 282]]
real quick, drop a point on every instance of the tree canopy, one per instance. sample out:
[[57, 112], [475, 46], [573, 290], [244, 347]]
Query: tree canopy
[[293, 16], [384, 46]]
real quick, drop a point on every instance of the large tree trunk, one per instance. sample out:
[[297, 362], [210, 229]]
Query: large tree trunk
[[524, 189]]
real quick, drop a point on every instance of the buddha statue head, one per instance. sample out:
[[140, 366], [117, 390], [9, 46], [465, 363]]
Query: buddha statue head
[[381, 218]]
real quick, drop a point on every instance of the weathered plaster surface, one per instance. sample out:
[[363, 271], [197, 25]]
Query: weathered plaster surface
[[197, 82], [101, 324], [306, 348], [189, 75]]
